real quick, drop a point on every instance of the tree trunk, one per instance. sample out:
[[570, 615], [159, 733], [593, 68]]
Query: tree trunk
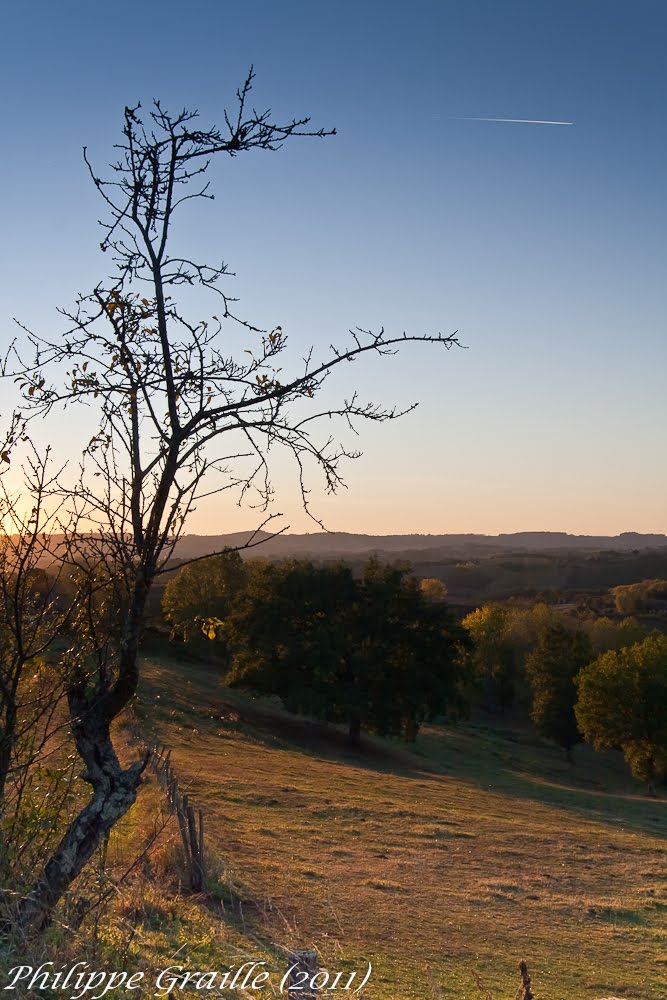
[[114, 791], [114, 788]]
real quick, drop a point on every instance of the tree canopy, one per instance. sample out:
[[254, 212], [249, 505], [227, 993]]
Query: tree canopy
[[201, 591], [623, 703], [632, 597], [371, 652], [551, 668], [491, 658]]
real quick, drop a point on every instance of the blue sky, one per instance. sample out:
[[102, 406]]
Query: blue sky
[[543, 245]]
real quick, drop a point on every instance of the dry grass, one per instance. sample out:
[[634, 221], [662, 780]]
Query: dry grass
[[127, 911], [438, 866], [442, 865]]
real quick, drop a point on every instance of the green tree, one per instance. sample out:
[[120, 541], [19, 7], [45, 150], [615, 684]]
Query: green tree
[[408, 647], [623, 703], [526, 625], [606, 634], [433, 589], [551, 668], [632, 597], [371, 652], [289, 633], [202, 591], [491, 659]]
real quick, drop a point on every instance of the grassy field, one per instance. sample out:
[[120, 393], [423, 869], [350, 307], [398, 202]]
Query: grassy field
[[443, 864]]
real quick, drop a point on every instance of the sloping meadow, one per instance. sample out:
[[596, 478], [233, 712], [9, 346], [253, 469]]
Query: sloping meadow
[[442, 867]]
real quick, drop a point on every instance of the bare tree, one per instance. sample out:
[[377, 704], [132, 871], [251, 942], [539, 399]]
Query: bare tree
[[181, 415], [34, 615]]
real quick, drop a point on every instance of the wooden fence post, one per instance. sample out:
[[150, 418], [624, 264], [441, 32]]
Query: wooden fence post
[[525, 991], [202, 865], [195, 875], [301, 962], [192, 833]]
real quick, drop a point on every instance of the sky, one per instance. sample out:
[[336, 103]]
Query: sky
[[543, 245]]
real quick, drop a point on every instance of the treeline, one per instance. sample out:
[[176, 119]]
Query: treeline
[[378, 649]]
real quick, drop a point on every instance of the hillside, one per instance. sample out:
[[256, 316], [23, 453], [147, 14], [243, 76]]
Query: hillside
[[451, 859], [338, 543]]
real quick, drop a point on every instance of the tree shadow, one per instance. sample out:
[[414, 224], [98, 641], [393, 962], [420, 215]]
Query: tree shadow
[[494, 759], [510, 763], [267, 724]]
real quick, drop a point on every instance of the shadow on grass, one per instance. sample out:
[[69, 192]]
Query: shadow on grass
[[625, 812], [275, 728], [495, 759], [508, 763]]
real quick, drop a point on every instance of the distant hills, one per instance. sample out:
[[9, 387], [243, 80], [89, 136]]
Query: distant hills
[[342, 544]]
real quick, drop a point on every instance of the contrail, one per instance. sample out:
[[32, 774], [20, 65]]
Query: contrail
[[517, 121]]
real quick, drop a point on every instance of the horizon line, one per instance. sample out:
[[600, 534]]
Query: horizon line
[[433, 534]]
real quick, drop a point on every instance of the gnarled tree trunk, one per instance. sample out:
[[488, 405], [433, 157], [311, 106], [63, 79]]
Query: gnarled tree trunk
[[114, 791], [114, 787]]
